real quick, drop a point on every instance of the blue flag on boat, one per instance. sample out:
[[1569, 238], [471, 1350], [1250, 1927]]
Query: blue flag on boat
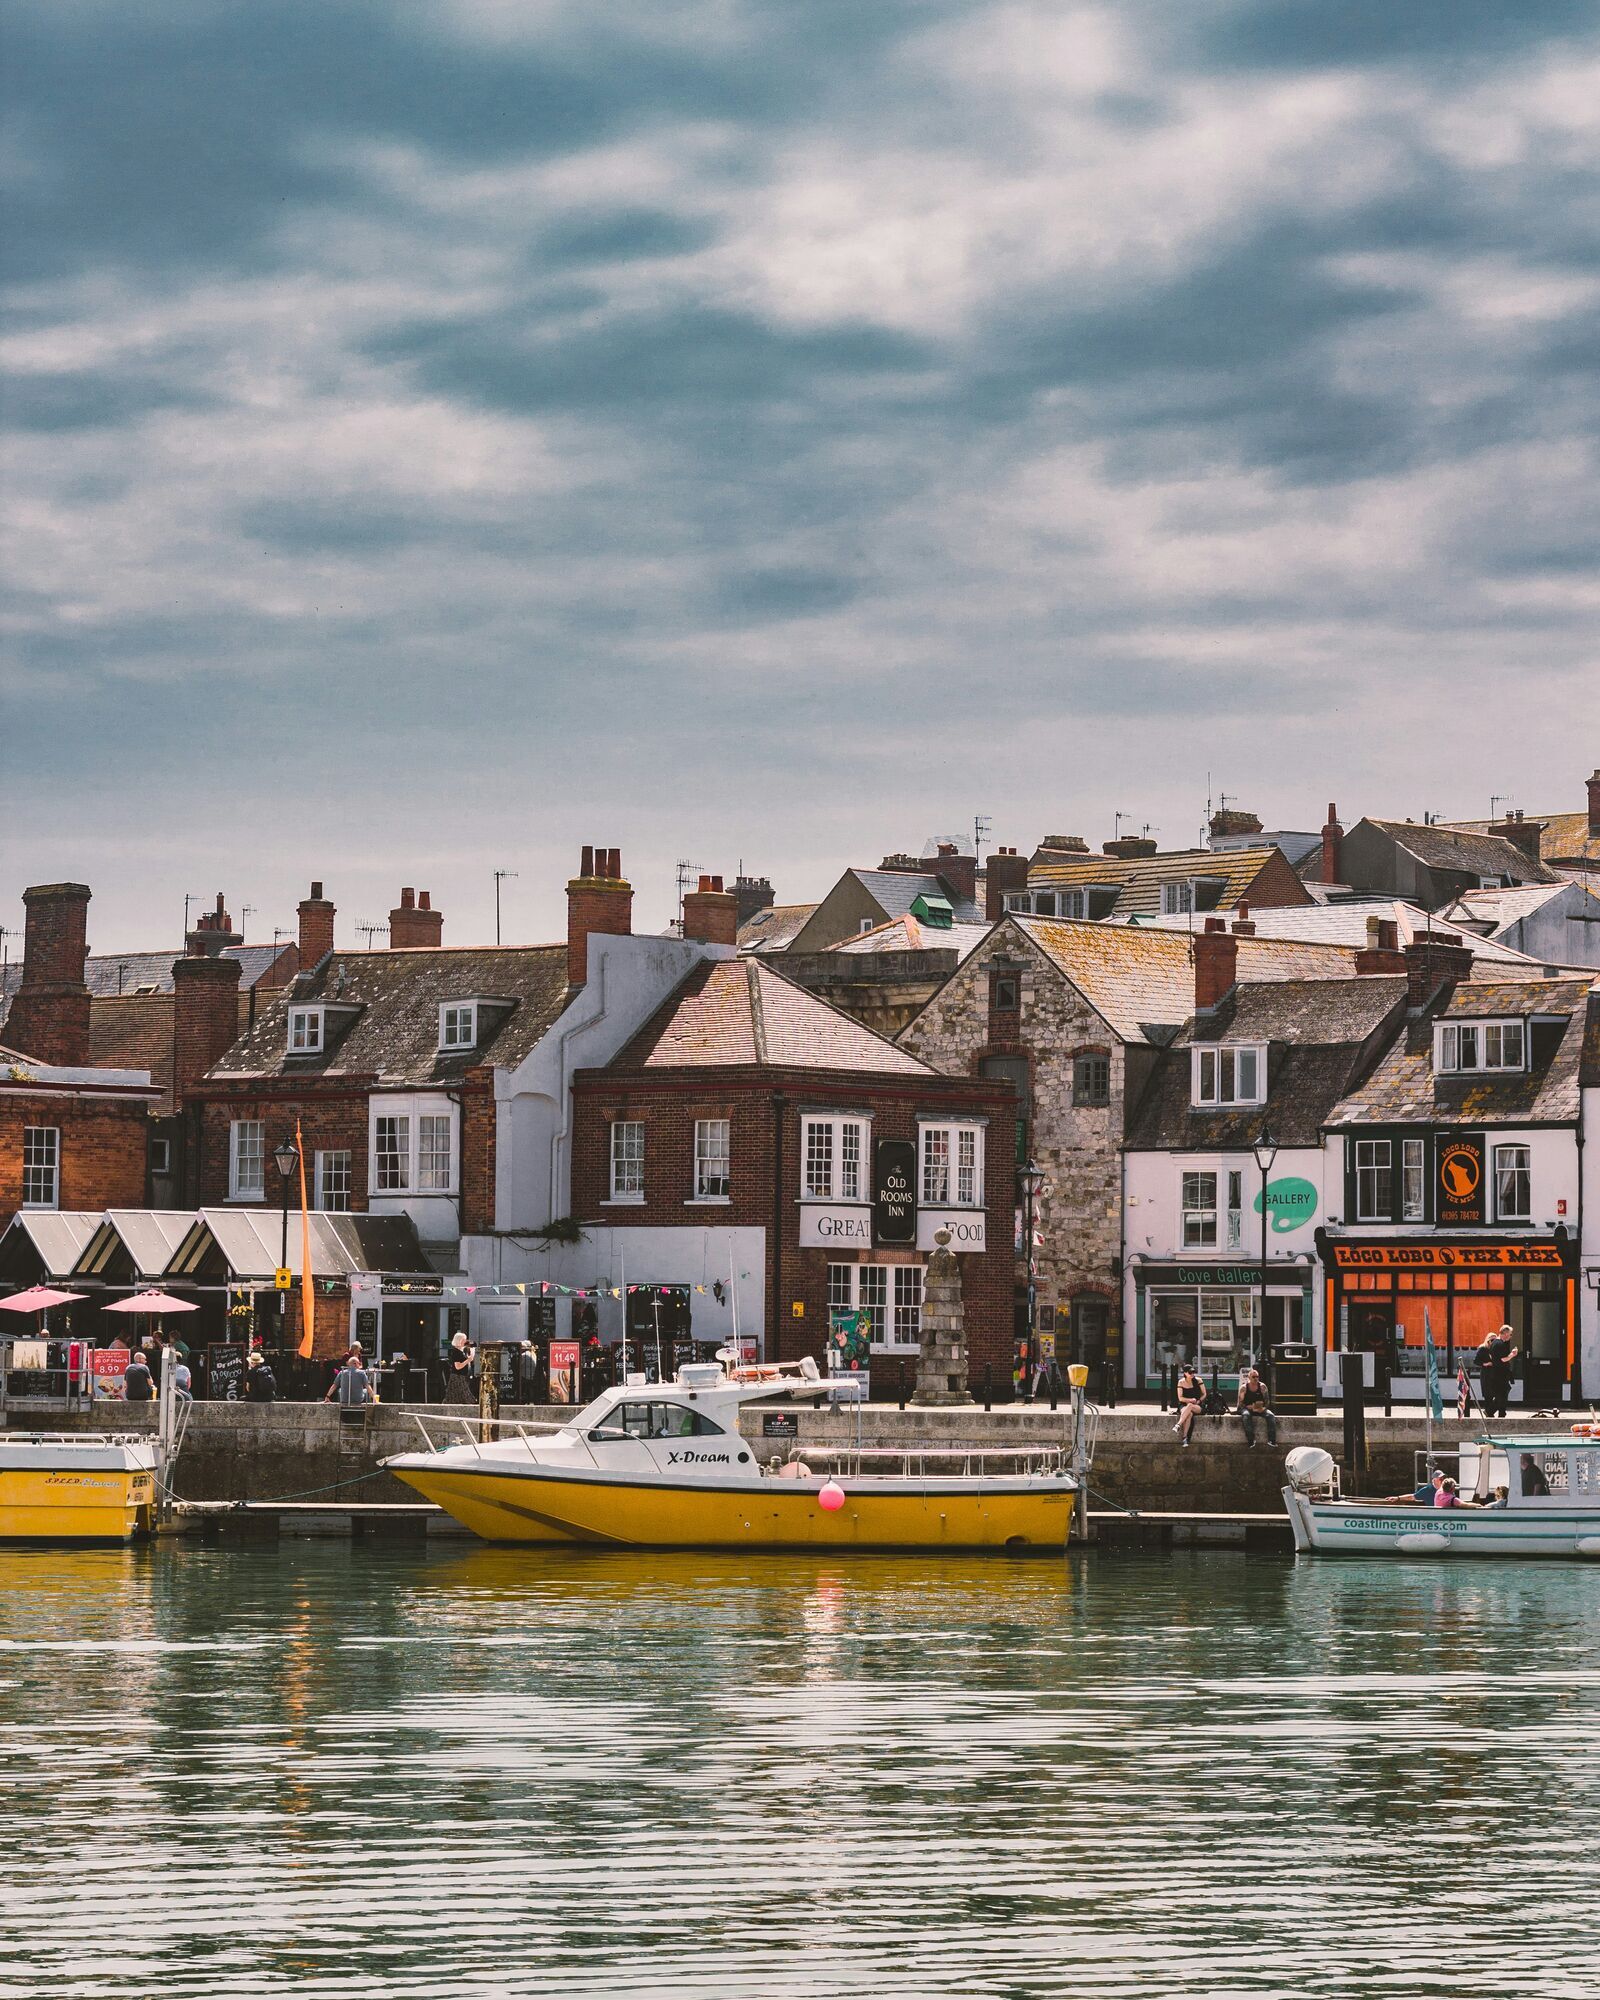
[[1431, 1360]]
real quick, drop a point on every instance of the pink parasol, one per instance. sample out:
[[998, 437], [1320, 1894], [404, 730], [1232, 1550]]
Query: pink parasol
[[40, 1298], [152, 1302]]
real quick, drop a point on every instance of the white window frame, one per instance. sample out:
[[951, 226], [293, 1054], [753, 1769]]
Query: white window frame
[[161, 1157], [43, 1170], [713, 1150], [907, 1306], [1215, 1074], [1197, 1206], [1177, 899], [461, 1017], [325, 1176], [1508, 1167], [1379, 1162], [430, 1177], [1413, 1180], [625, 1153], [307, 1031], [833, 1156], [240, 1151], [411, 1112], [1235, 1208], [1480, 1048], [950, 1158], [866, 1288], [392, 1163]]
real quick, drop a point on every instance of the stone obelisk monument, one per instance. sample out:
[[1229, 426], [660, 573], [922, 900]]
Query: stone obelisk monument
[[942, 1364]]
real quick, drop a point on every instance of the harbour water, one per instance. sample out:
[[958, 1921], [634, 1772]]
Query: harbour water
[[326, 1770]]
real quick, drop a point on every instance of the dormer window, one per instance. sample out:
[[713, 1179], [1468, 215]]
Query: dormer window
[[1200, 892], [1471, 1048], [1224, 1076], [305, 1031], [458, 1025]]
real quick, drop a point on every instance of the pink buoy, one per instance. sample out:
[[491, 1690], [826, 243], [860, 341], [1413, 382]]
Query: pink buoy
[[831, 1498]]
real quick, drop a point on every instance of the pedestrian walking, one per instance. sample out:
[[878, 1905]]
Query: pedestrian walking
[[1494, 1371], [458, 1371]]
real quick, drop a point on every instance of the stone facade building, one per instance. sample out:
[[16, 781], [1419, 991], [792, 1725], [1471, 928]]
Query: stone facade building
[[1072, 1016]]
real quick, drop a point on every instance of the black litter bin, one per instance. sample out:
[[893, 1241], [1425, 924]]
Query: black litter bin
[[1294, 1379]]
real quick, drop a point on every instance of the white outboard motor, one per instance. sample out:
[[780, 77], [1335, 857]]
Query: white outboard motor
[[1309, 1467]]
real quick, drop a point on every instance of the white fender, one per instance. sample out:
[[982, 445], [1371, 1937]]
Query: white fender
[[1587, 1545], [1423, 1542]]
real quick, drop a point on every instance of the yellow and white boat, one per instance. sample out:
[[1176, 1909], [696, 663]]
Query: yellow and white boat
[[74, 1487], [663, 1465]]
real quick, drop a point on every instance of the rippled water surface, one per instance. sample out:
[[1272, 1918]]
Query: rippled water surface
[[323, 1771]]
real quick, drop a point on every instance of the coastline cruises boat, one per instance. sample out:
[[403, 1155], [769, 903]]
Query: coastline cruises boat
[[663, 1465], [1552, 1508], [76, 1487]]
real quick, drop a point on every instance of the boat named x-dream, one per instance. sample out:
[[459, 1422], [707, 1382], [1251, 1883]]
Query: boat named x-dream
[[663, 1465]]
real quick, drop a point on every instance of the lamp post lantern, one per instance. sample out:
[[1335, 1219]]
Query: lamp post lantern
[[1266, 1152], [285, 1157]]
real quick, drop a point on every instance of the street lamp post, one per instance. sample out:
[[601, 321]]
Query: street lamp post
[[285, 1157], [1032, 1178], [1266, 1151]]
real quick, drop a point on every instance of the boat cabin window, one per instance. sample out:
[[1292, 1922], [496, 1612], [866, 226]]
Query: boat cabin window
[[654, 1420], [1544, 1474]]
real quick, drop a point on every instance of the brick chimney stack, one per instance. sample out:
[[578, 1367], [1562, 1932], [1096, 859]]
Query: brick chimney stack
[[205, 1004], [1131, 847], [49, 1016], [1382, 953], [1006, 875], [711, 913], [1523, 834], [1229, 820], [213, 933], [1432, 962], [958, 870], [1332, 847], [599, 903], [415, 925], [754, 893], [1242, 926], [316, 928], [1594, 807], [1216, 960]]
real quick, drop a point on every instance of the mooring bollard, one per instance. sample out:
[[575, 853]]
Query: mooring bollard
[[1168, 1375], [988, 1396], [901, 1371]]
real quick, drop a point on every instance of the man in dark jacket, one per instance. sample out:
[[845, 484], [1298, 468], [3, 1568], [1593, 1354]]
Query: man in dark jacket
[[1494, 1371]]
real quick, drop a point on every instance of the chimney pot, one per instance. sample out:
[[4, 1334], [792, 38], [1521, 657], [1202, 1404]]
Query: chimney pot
[[586, 865], [316, 892]]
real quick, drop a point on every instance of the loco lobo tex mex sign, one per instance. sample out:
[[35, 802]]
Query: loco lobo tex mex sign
[[1446, 1256]]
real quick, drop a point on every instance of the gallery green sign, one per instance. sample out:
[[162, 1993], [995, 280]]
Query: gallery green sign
[[1291, 1203]]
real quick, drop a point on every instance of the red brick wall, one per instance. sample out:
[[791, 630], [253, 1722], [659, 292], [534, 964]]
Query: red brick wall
[[669, 1103], [102, 1149], [1276, 885], [49, 1016], [205, 1000]]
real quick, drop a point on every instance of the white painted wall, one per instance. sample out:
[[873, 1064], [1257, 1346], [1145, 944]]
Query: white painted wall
[[1565, 930], [629, 978], [1589, 1248], [612, 1255]]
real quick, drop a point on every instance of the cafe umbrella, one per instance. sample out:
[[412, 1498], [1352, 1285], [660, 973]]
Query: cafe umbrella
[[153, 1303], [39, 1299]]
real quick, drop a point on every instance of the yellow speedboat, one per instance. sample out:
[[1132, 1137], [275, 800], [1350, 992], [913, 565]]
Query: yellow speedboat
[[74, 1487], [662, 1465]]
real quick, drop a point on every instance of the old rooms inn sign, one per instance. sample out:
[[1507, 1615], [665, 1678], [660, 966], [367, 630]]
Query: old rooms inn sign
[[893, 1218]]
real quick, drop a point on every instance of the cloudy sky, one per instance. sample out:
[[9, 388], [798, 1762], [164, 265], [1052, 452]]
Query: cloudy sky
[[442, 432]]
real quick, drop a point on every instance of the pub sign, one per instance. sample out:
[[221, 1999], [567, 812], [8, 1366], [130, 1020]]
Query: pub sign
[[894, 1191], [1459, 1180]]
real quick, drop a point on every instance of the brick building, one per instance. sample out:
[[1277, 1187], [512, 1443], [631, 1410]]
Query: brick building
[[73, 1133]]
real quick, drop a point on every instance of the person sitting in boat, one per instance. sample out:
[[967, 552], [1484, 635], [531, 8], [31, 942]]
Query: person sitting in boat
[[1534, 1484], [1448, 1495], [1502, 1498], [1191, 1401], [1253, 1403]]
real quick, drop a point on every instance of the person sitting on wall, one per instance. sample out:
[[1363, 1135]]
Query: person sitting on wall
[[352, 1386], [1191, 1402], [1252, 1404], [138, 1384]]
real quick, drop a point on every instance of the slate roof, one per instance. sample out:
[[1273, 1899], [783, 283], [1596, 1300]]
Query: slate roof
[[894, 891], [741, 1012], [908, 933], [1139, 978], [1139, 878], [1507, 906], [774, 928], [116, 975], [1403, 1089], [1345, 923], [395, 1037], [1321, 1036], [1565, 837], [1452, 848]]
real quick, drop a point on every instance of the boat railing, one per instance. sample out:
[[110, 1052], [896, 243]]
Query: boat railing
[[949, 1459], [84, 1438], [470, 1430]]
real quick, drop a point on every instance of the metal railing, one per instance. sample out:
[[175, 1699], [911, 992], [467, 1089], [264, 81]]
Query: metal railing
[[950, 1460]]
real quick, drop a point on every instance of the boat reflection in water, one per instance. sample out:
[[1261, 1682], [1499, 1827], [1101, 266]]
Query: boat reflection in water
[[663, 1465]]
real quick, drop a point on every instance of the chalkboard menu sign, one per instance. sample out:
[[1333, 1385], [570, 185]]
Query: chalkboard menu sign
[[894, 1191], [367, 1328], [225, 1374]]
